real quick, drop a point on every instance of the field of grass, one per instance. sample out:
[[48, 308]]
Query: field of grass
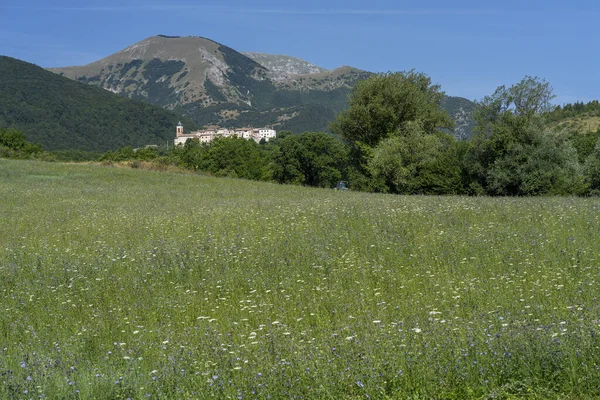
[[119, 283]]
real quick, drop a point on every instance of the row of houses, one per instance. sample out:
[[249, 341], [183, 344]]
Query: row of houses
[[208, 135]]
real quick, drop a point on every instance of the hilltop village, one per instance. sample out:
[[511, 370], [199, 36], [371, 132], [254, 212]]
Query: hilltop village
[[208, 135]]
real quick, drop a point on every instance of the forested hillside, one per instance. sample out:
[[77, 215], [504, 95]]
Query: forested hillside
[[63, 114]]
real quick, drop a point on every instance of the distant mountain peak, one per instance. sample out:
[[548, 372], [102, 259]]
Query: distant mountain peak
[[279, 63]]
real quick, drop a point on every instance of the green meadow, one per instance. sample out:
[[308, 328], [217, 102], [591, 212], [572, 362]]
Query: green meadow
[[118, 283]]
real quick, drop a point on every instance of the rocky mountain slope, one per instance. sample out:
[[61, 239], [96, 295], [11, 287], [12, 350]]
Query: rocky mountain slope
[[284, 64], [213, 84]]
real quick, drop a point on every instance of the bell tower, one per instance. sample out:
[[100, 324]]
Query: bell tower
[[179, 129]]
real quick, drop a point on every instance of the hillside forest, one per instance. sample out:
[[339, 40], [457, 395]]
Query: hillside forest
[[392, 139]]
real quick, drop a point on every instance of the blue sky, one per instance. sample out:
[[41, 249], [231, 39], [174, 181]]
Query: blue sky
[[469, 47]]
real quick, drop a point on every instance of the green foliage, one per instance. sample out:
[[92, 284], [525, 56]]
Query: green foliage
[[236, 158], [516, 105], [14, 145], [62, 114], [566, 111], [384, 103], [122, 154], [384, 108], [584, 143], [548, 165], [190, 155], [312, 159], [513, 153], [591, 170], [413, 162]]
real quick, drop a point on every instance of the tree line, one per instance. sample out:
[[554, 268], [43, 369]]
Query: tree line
[[391, 140]]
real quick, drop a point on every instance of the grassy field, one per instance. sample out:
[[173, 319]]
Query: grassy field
[[119, 283], [580, 124]]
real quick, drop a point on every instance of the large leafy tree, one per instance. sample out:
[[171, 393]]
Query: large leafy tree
[[512, 152], [384, 103], [513, 110], [388, 106]]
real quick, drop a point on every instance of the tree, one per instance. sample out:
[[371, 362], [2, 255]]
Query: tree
[[517, 105], [591, 170], [416, 163], [383, 106], [384, 103], [312, 159], [512, 153], [547, 165], [237, 158], [286, 160], [14, 144]]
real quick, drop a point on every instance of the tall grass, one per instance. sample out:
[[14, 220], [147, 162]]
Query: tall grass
[[118, 283]]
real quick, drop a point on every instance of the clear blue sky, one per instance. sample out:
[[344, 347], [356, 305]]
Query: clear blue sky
[[469, 47]]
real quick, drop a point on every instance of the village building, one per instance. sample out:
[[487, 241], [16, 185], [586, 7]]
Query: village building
[[208, 135]]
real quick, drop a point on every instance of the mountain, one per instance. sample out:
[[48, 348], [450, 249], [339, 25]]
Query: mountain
[[284, 64], [61, 114], [213, 84], [461, 110]]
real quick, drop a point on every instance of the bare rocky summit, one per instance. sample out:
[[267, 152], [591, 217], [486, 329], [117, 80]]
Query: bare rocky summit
[[284, 64]]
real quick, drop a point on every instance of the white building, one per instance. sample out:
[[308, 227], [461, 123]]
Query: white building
[[208, 135], [259, 134]]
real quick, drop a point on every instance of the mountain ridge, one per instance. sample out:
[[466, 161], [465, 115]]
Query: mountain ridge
[[284, 64], [213, 84]]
